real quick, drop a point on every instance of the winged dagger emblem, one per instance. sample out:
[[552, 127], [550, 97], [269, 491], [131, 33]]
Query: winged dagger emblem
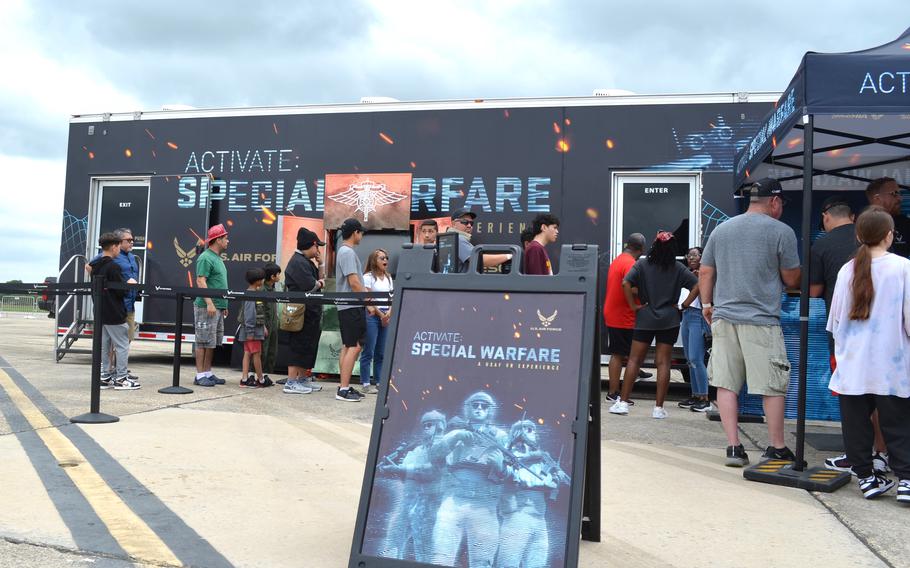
[[186, 257], [367, 196], [546, 320]]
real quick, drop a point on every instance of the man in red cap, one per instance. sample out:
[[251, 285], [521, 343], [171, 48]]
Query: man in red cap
[[209, 313]]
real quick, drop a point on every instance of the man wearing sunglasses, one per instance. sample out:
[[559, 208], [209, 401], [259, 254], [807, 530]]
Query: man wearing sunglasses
[[885, 193], [463, 224], [129, 266]]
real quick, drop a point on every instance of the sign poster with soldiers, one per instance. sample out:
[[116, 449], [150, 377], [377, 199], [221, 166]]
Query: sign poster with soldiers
[[475, 458]]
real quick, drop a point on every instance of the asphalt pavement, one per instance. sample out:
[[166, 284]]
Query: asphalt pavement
[[234, 477]]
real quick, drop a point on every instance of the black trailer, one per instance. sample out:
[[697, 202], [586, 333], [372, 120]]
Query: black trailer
[[604, 165]]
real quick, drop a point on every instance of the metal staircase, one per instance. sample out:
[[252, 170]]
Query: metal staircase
[[79, 307]]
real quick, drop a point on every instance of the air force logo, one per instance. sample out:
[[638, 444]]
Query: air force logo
[[367, 196], [186, 257], [546, 321]]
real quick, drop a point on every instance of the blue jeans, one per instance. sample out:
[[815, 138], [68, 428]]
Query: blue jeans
[[373, 351], [693, 331]]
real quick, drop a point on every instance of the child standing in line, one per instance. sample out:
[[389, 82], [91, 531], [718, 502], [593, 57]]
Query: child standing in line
[[870, 321], [270, 347], [252, 332]]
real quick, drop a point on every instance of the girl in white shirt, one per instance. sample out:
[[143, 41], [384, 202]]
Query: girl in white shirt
[[375, 278], [870, 321]]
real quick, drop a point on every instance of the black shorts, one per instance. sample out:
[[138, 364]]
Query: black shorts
[[619, 341], [353, 324], [665, 336]]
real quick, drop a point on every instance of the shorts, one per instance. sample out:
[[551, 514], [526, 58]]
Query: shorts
[[252, 346], [754, 354], [665, 336], [131, 321], [619, 341], [353, 324], [209, 330]]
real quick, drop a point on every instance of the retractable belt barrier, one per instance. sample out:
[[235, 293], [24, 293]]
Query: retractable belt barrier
[[99, 284], [154, 291]]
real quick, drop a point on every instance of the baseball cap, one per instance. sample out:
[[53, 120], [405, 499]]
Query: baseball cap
[[216, 232], [459, 213], [307, 238], [349, 226], [765, 187]]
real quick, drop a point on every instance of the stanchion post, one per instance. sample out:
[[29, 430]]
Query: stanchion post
[[175, 387], [94, 415]]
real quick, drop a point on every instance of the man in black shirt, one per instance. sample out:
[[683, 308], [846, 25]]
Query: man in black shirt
[[829, 253], [833, 249], [885, 193]]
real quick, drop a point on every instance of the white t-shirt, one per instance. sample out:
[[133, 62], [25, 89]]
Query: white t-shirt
[[385, 284], [873, 356]]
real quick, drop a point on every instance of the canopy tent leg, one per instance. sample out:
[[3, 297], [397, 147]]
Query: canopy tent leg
[[780, 472]]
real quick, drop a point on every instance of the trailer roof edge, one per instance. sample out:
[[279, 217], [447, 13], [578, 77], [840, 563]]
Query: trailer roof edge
[[514, 103]]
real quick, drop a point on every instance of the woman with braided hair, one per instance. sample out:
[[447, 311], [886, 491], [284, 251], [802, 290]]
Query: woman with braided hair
[[657, 281]]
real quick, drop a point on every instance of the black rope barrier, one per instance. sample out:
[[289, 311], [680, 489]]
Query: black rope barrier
[[99, 285]]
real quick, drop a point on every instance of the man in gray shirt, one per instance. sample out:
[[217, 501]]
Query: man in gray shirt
[[746, 264], [351, 319]]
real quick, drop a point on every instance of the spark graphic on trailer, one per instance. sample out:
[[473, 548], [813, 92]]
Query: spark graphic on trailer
[[367, 196]]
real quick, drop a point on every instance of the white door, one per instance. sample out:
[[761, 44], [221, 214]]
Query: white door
[[648, 202], [121, 203]]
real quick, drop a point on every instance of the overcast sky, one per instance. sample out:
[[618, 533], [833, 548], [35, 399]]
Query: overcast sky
[[61, 58]]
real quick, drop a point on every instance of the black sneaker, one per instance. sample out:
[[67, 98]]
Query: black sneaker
[[644, 374], [736, 456], [249, 383], [701, 406], [347, 395], [784, 453], [613, 397], [266, 382], [688, 403], [357, 392], [875, 485], [218, 380]]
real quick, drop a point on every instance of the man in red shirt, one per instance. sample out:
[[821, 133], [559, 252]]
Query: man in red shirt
[[618, 317], [546, 230]]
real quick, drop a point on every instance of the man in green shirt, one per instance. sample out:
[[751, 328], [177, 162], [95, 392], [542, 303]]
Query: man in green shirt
[[209, 313]]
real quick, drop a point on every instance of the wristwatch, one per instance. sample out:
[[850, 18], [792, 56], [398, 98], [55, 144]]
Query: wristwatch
[[708, 305]]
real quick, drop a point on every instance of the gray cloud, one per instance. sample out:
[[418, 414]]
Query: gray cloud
[[236, 53]]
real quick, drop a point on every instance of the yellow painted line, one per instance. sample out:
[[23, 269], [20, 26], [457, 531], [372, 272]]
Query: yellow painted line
[[131, 532]]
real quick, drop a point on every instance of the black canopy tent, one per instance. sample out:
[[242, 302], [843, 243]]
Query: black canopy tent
[[845, 117]]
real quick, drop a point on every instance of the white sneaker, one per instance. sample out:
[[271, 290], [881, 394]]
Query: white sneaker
[[619, 407], [659, 412]]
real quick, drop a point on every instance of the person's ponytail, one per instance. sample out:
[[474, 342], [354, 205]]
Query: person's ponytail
[[872, 227], [863, 291]]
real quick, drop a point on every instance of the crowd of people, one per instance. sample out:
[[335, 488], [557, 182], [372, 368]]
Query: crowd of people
[[362, 329], [730, 297], [727, 295]]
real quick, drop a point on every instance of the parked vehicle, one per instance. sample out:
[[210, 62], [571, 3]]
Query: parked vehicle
[[46, 303]]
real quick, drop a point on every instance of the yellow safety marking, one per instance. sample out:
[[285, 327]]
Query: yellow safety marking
[[131, 532]]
